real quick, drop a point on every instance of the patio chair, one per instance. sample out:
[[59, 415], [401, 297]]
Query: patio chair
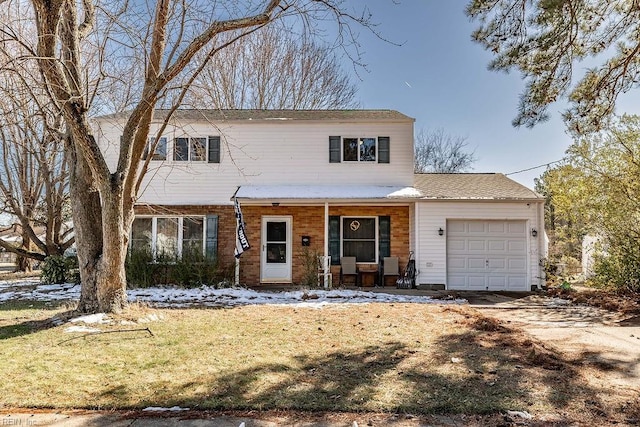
[[390, 269], [348, 268]]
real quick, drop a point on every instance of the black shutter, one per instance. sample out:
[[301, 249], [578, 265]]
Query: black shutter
[[384, 236], [334, 239], [334, 149], [383, 149], [214, 149], [211, 245]]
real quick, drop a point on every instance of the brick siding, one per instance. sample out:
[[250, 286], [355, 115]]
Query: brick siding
[[306, 221]]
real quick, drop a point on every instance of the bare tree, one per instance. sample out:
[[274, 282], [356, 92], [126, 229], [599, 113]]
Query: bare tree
[[33, 167], [273, 68], [169, 45], [438, 151]]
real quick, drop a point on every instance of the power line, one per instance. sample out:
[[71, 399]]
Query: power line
[[535, 167]]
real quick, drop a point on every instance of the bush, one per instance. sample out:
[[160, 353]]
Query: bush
[[309, 261], [60, 269], [191, 271], [620, 266]]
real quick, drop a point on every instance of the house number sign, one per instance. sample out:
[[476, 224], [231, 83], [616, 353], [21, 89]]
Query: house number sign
[[354, 225]]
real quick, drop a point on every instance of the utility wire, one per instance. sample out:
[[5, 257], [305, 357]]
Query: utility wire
[[535, 167]]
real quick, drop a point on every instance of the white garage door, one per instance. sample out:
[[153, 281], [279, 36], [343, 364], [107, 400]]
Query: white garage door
[[487, 255]]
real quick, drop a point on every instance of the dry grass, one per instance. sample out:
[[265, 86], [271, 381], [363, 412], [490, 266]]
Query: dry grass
[[405, 358]]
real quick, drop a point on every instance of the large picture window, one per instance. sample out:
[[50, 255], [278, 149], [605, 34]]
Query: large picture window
[[168, 238], [359, 238]]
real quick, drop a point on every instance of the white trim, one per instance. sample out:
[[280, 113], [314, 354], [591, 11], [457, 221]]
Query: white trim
[[288, 277]]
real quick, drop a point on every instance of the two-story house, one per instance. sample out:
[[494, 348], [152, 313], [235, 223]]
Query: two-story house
[[338, 182]]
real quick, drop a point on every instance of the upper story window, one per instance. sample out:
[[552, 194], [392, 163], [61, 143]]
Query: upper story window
[[198, 149], [159, 150], [364, 149]]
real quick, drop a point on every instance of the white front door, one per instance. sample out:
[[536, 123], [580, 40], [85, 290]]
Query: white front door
[[275, 258]]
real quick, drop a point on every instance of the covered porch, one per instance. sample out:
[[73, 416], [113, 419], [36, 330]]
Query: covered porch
[[291, 226]]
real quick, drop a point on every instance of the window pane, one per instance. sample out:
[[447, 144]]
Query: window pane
[[367, 149], [276, 253], [350, 147], [276, 231], [192, 235], [141, 234], [359, 228], [167, 237], [161, 149], [198, 149], [181, 149], [364, 251]]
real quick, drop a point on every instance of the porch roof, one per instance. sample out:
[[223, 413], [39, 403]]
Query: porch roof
[[301, 193]]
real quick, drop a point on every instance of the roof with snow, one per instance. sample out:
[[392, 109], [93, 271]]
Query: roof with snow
[[326, 192], [471, 186], [219, 115]]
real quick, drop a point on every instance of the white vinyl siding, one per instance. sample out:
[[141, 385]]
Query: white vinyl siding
[[431, 249], [257, 153]]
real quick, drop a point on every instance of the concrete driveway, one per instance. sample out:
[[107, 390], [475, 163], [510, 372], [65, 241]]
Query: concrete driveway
[[584, 334]]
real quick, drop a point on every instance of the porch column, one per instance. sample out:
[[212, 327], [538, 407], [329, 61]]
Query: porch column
[[326, 265]]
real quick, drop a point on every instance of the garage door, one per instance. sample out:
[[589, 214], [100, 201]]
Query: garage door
[[487, 255]]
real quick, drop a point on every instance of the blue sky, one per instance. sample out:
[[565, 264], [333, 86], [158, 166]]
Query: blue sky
[[440, 77]]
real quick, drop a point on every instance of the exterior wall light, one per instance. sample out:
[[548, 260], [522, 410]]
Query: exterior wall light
[[534, 232], [440, 232]]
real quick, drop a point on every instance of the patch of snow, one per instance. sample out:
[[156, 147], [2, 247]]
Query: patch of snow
[[160, 408], [520, 414], [81, 329], [99, 318], [211, 297]]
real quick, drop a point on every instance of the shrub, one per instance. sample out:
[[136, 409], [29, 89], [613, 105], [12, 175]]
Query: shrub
[[620, 266], [60, 269], [309, 261], [192, 270]]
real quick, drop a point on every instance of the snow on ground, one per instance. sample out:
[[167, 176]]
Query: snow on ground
[[99, 318], [81, 329], [211, 297]]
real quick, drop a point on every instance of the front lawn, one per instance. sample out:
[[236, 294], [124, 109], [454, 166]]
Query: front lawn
[[407, 358]]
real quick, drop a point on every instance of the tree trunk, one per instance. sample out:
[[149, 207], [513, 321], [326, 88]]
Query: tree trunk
[[24, 263], [102, 270]]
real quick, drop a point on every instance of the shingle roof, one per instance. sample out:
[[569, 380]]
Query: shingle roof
[[471, 186], [275, 115]]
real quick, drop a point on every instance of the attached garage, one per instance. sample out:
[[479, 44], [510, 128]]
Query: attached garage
[[487, 255], [478, 232]]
